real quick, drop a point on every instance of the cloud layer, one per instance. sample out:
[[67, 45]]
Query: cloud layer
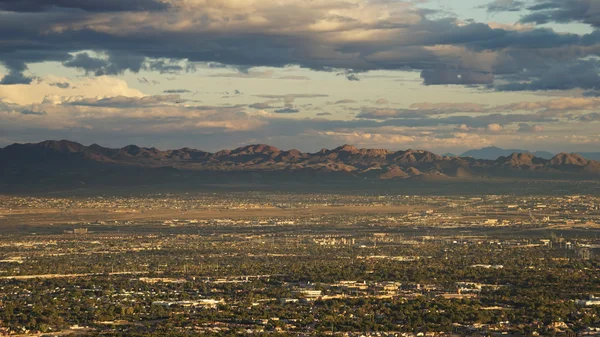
[[114, 116], [353, 36], [354, 42]]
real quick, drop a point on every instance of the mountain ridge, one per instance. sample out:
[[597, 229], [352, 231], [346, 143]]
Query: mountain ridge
[[63, 160], [493, 152]]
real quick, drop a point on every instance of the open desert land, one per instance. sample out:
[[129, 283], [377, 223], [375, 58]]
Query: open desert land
[[41, 216]]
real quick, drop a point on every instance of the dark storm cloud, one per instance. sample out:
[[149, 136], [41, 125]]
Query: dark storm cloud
[[168, 67], [534, 39], [115, 64], [463, 77], [58, 35], [15, 73], [564, 11], [547, 11], [85, 5], [580, 74], [164, 67]]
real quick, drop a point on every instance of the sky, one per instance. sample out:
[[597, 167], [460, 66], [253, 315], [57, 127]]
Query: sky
[[439, 75]]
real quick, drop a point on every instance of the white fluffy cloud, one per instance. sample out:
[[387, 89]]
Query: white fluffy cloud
[[495, 128], [56, 89]]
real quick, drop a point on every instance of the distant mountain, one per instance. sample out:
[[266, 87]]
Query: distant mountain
[[493, 152], [68, 163]]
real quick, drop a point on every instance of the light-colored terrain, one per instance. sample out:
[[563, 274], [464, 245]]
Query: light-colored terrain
[[40, 216]]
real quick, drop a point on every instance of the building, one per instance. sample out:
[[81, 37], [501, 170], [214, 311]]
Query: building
[[592, 301], [310, 294]]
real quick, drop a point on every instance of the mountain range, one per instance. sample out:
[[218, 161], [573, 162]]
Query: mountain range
[[494, 152], [64, 162]]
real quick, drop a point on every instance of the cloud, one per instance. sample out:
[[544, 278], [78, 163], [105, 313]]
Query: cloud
[[505, 6], [246, 74], [125, 119], [115, 64], [362, 137], [564, 11], [449, 107], [167, 67], [324, 114], [126, 115], [15, 74], [294, 77], [22, 110], [143, 80], [379, 113], [84, 87], [564, 104], [350, 75], [382, 101], [418, 110], [128, 102], [177, 91], [449, 76], [266, 74], [346, 37], [413, 118], [402, 139], [286, 111], [464, 128], [345, 101], [62, 85], [528, 128], [584, 74], [260, 106], [495, 128], [88, 6], [31, 112], [290, 98]]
